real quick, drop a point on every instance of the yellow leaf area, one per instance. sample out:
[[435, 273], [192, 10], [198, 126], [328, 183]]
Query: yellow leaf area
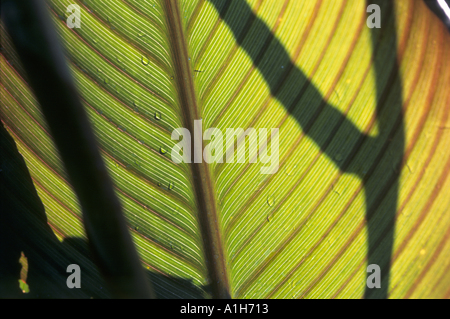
[[316, 240], [364, 142], [420, 260]]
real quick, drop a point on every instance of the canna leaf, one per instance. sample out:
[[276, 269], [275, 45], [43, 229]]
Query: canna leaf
[[362, 172]]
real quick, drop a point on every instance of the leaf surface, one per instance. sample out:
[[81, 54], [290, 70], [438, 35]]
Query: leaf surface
[[364, 152]]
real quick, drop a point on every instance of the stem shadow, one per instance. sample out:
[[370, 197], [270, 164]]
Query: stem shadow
[[24, 229], [379, 181]]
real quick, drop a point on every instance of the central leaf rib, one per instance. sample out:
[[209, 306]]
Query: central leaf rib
[[203, 184]]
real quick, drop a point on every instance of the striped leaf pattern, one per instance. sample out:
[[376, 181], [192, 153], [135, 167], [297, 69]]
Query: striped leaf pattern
[[364, 143]]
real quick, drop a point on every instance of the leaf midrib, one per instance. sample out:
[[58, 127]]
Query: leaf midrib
[[203, 184]]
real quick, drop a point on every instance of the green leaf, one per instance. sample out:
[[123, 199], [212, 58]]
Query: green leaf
[[364, 160]]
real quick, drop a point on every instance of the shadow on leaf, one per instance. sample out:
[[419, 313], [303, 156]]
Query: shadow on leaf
[[24, 229], [23, 223]]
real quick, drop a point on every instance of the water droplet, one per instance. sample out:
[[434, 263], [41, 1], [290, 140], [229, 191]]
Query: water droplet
[[270, 201], [290, 170], [338, 157], [162, 150], [171, 77], [106, 81], [119, 60], [171, 185], [113, 27], [95, 41], [145, 60], [158, 115], [269, 217], [140, 34], [136, 228], [189, 59], [159, 184]]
